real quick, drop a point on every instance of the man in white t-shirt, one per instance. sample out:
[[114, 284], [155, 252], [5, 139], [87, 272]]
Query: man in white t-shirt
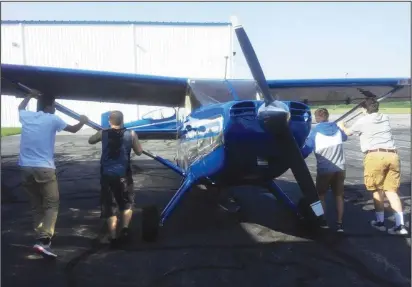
[[36, 160], [382, 167]]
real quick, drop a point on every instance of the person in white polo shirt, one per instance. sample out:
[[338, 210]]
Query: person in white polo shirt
[[381, 163], [36, 160]]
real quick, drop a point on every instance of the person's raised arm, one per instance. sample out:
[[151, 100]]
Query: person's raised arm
[[355, 129], [137, 147], [75, 128], [97, 137], [26, 100]]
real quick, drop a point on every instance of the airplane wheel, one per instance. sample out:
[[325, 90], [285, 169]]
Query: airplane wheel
[[150, 223]]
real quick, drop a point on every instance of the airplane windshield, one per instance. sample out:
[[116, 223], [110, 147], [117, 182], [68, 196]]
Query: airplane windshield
[[219, 91], [159, 114]]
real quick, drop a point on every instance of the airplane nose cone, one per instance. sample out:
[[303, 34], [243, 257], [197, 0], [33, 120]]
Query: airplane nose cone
[[273, 119]]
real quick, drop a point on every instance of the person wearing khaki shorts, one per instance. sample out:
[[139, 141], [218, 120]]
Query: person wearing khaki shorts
[[381, 163], [382, 170], [36, 160]]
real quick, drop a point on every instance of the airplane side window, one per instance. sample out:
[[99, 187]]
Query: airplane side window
[[168, 112], [159, 114]]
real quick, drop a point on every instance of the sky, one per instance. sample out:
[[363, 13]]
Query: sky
[[291, 40]]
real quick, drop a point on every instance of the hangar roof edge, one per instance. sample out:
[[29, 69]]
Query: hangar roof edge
[[58, 22]]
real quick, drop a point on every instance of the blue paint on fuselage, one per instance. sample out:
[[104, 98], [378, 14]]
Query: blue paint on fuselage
[[225, 143], [229, 146]]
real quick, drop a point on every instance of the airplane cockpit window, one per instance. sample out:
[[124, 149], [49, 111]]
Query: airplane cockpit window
[[218, 91], [159, 114]]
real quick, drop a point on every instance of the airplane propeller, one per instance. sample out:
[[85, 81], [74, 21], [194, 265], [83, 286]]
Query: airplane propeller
[[274, 118]]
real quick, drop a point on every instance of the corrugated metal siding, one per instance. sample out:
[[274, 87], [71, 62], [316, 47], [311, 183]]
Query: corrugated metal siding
[[186, 51]]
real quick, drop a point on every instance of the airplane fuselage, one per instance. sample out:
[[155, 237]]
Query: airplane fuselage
[[225, 142]]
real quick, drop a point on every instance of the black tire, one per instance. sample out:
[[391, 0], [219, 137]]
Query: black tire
[[150, 223]]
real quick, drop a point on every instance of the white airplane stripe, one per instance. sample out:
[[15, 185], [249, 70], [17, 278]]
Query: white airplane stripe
[[322, 141]]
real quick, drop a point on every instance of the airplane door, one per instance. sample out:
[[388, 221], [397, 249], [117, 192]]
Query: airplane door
[[187, 148]]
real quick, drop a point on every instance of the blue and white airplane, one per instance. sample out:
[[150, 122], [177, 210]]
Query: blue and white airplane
[[229, 132]]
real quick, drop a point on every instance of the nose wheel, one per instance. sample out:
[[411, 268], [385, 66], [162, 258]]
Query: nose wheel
[[150, 223]]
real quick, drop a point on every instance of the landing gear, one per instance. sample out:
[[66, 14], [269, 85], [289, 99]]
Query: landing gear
[[150, 223]]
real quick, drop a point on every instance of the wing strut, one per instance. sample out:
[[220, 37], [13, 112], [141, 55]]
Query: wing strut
[[93, 125], [369, 95]]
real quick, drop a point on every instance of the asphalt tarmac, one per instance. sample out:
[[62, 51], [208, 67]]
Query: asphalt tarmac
[[201, 245]]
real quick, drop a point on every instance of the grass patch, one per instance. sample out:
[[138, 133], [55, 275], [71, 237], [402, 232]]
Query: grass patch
[[10, 131], [385, 107]]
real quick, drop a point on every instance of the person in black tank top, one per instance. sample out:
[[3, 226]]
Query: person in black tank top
[[115, 175]]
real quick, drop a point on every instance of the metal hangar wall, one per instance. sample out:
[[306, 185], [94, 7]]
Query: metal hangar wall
[[196, 50]]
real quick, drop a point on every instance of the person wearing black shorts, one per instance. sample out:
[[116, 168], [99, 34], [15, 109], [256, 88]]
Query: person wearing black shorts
[[116, 176]]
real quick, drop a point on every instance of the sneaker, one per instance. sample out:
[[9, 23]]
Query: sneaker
[[323, 224], [398, 230], [44, 250], [339, 227], [378, 225]]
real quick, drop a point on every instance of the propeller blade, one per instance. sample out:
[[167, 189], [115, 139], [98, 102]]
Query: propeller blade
[[252, 61], [274, 119]]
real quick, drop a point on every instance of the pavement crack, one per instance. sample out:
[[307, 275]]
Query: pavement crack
[[359, 267], [71, 265]]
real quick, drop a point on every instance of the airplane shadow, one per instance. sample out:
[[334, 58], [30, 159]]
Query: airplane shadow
[[200, 245]]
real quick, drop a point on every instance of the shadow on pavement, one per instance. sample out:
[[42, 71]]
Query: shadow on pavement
[[200, 246]]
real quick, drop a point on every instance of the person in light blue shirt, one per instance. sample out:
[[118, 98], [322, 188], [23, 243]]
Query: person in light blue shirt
[[326, 141], [36, 160]]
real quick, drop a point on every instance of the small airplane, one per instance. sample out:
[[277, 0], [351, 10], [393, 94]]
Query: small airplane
[[229, 132]]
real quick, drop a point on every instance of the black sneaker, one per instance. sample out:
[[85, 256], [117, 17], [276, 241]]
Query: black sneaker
[[398, 230], [339, 227], [378, 225], [43, 248]]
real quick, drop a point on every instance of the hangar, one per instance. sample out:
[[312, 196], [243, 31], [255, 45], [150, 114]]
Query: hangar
[[178, 49]]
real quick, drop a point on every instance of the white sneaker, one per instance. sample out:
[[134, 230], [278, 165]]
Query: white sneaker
[[44, 250], [398, 230]]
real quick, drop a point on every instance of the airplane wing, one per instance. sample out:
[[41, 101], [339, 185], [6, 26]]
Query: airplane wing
[[95, 85], [339, 91]]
